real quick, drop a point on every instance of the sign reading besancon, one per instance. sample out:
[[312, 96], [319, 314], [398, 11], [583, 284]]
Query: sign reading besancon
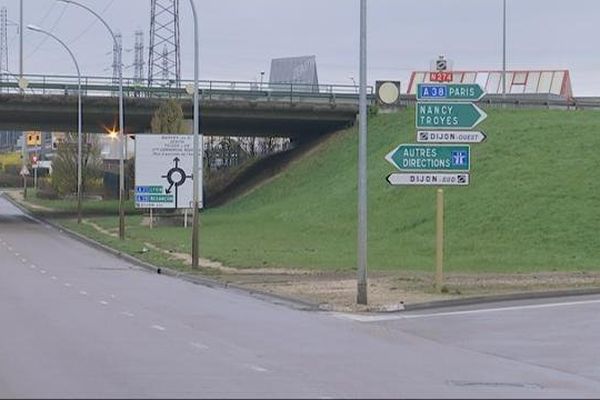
[[164, 171], [413, 157]]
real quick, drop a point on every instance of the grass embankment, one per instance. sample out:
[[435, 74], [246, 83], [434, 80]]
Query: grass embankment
[[533, 204]]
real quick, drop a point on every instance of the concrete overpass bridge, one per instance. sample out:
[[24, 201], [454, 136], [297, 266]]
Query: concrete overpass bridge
[[227, 107]]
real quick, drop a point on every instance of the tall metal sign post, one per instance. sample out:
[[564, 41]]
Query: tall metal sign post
[[198, 149], [444, 114], [361, 297]]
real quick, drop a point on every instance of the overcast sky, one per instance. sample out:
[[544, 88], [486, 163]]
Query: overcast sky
[[240, 37]]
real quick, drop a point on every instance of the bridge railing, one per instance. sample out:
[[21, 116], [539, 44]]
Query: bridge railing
[[209, 89]]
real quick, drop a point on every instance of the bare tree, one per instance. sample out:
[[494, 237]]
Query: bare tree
[[64, 165]]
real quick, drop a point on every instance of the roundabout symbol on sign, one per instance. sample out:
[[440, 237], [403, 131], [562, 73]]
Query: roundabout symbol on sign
[[176, 176]]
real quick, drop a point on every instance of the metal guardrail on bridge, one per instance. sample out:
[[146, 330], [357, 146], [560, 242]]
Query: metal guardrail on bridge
[[209, 89]]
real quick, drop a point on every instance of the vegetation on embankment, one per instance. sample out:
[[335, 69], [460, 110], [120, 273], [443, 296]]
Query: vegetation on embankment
[[533, 204]]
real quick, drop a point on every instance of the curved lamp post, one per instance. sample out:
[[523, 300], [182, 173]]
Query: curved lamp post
[[121, 133], [79, 194]]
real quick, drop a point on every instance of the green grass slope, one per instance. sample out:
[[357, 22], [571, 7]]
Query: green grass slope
[[533, 204]]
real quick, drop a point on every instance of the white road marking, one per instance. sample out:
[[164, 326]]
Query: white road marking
[[24, 260], [9, 248], [68, 284], [32, 266], [257, 368], [199, 346], [377, 318], [83, 293], [128, 314], [112, 296], [159, 328], [54, 278], [42, 271], [104, 303], [17, 254]]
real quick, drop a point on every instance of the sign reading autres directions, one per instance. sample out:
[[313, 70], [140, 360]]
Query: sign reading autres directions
[[413, 157]]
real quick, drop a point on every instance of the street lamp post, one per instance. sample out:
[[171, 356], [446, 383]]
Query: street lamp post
[[504, 52], [198, 148], [361, 297], [79, 166], [121, 132]]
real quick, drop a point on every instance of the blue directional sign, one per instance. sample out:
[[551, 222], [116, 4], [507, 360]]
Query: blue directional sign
[[452, 91]]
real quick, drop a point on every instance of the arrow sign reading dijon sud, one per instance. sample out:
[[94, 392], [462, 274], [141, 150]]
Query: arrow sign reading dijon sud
[[434, 115], [455, 91], [414, 157], [428, 179]]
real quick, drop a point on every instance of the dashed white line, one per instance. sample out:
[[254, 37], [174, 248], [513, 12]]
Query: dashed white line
[[17, 254], [24, 260], [83, 293], [199, 346], [54, 278], [257, 368], [33, 266], [68, 284], [128, 314], [42, 271], [104, 303], [9, 248], [112, 296], [159, 328]]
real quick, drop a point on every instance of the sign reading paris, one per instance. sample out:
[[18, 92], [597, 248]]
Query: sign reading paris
[[458, 91]]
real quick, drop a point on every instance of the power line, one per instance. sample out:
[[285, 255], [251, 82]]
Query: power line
[[41, 43], [90, 26]]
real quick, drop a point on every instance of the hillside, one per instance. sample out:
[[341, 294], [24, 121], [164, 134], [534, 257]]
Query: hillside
[[534, 203]]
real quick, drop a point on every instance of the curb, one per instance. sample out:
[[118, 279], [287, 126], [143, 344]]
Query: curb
[[500, 298], [297, 304]]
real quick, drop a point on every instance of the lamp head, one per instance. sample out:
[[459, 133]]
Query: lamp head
[[34, 28]]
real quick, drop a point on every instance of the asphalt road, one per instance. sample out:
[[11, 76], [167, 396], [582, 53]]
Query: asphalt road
[[77, 322]]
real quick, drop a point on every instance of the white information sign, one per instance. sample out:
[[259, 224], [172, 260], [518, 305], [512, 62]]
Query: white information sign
[[422, 179], [451, 136], [164, 171]]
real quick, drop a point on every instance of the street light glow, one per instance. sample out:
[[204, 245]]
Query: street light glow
[[113, 134]]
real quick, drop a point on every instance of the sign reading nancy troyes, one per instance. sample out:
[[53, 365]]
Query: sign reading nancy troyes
[[164, 171], [414, 157], [432, 115], [455, 91]]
